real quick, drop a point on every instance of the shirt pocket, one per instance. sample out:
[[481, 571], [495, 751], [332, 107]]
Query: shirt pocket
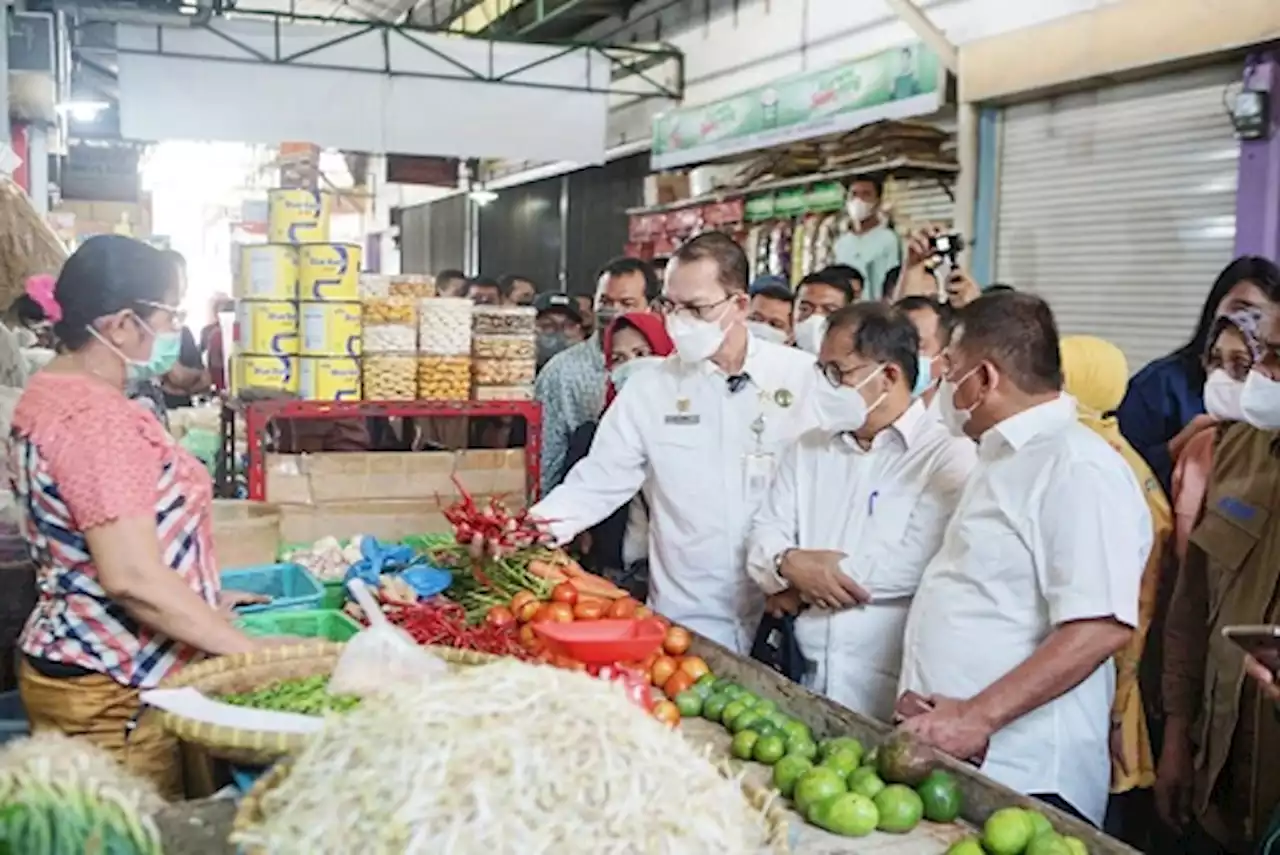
[[1227, 544], [890, 513]]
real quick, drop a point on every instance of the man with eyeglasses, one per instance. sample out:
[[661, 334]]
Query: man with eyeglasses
[[858, 508], [700, 434]]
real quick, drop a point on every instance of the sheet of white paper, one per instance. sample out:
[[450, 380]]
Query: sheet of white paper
[[192, 704]]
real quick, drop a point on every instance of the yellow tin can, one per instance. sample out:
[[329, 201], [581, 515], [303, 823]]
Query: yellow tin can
[[268, 271], [329, 272], [263, 372], [267, 328], [324, 378], [296, 215], [329, 329]]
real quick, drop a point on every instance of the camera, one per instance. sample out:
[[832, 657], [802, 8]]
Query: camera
[[946, 246]]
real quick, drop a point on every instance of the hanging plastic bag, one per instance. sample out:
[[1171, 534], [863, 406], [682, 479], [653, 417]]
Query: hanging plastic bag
[[381, 656]]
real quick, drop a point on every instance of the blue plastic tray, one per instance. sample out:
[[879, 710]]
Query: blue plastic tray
[[244, 777], [13, 717], [289, 586]]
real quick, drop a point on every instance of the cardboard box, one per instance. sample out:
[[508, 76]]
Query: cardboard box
[[381, 476], [388, 520], [666, 188]]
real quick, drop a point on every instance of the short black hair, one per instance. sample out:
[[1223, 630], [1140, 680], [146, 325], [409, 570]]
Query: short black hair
[[628, 266], [946, 314], [451, 273], [882, 333], [831, 280], [997, 288], [105, 275], [1017, 332], [847, 272], [874, 180], [776, 292], [889, 287], [484, 282], [733, 271], [507, 283]]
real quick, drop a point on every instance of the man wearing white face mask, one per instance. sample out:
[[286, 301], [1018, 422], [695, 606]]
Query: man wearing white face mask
[[700, 434], [869, 245], [818, 296], [858, 508], [1035, 587], [772, 316]]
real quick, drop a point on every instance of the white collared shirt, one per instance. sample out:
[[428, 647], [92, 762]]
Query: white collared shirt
[[886, 508], [1051, 528], [677, 431]]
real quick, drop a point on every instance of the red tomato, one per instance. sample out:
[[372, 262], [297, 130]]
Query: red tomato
[[564, 593], [528, 611], [677, 640], [663, 668], [588, 610], [667, 713], [623, 608], [528, 637], [520, 599], [644, 612], [694, 666], [679, 682], [499, 616], [559, 613]]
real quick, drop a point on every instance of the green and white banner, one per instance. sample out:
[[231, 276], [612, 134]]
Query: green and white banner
[[893, 84]]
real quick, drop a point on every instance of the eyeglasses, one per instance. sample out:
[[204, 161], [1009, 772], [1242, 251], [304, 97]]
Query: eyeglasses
[[672, 309], [835, 375], [177, 316]]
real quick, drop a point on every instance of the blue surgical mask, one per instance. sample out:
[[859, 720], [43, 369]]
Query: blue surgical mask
[[924, 364], [621, 373]]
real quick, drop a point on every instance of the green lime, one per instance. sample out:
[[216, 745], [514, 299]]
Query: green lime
[[1039, 824], [941, 796], [789, 770], [765, 707], [1049, 843], [769, 750], [707, 679], [720, 683], [689, 704], [713, 707], [842, 760], [817, 785], [702, 690], [763, 728], [733, 690], [731, 711], [779, 719], [749, 699], [900, 809], [745, 721], [841, 743], [1007, 831], [744, 744], [865, 781], [848, 814], [969, 846], [802, 746], [1076, 846], [795, 728]]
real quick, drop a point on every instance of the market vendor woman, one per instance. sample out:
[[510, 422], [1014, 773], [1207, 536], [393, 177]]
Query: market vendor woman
[[118, 517]]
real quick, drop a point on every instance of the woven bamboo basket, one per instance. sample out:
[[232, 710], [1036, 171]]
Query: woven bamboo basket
[[247, 672], [251, 810]]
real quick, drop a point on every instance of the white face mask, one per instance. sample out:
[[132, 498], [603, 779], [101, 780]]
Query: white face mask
[[859, 209], [842, 409], [1222, 396], [621, 373], [809, 333], [764, 332], [954, 418], [1260, 401], [696, 340]]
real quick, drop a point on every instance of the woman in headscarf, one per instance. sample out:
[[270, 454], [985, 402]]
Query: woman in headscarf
[[1096, 373], [618, 547]]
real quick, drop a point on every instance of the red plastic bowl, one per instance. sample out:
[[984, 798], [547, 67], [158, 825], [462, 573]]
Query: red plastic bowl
[[602, 642]]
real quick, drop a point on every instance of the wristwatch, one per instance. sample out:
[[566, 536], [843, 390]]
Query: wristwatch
[[777, 562]]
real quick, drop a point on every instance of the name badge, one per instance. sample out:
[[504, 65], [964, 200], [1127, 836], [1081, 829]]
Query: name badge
[[682, 419]]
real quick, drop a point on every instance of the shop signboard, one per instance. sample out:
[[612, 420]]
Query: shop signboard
[[894, 84]]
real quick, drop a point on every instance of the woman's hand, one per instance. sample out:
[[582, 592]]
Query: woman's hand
[[1201, 422], [1174, 773], [228, 600]]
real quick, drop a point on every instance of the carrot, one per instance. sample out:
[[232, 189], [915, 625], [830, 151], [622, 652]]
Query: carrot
[[546, 570], [573, 569], [590, 585]]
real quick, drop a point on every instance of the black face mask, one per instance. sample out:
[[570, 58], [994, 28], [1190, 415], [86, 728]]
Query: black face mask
[[604, 317], [548, 345]]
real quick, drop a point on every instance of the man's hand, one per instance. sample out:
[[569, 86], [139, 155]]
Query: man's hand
[[785, 603], [1264, 677], [916, 278], [961, 290], [815, 575], [953, 726]]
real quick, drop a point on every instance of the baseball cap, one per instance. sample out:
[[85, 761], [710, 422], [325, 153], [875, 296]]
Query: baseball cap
[[561, 303]]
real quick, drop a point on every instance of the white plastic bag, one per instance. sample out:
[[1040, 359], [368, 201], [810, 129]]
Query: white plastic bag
[[381, 656]]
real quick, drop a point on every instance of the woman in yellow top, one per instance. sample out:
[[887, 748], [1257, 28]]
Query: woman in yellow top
[[1096, 375]]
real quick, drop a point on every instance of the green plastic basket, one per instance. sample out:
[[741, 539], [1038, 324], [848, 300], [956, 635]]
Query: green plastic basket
[[328, 624], [335, 595]]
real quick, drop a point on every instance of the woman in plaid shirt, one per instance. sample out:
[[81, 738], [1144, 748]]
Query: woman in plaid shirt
[[117, 517]]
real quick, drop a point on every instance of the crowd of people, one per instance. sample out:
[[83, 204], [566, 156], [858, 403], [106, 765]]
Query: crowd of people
[[966, 523]]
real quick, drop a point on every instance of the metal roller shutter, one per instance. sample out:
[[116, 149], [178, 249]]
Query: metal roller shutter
[[1118, 206], [919, 201]]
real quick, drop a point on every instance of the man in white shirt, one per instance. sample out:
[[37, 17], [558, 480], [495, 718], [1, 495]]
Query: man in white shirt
[[700, 433], [858, 508], [933, 321], [1012, 629]]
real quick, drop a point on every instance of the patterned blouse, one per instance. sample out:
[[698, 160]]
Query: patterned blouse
[[82, 455]]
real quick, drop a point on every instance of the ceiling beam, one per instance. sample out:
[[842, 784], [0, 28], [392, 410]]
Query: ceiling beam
[[927, 32]]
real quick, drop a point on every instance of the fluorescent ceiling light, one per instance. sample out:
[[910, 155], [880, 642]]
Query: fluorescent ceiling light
[[482, 196], [82, 111]]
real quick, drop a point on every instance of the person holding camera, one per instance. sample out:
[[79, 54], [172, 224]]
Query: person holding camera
[[919, 276]]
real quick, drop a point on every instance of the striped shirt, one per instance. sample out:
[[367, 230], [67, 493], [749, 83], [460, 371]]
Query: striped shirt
[[571, 390], [82, 455]]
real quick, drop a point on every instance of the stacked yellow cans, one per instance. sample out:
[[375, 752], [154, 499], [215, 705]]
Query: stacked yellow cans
[[329, 309], [265, 349]]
